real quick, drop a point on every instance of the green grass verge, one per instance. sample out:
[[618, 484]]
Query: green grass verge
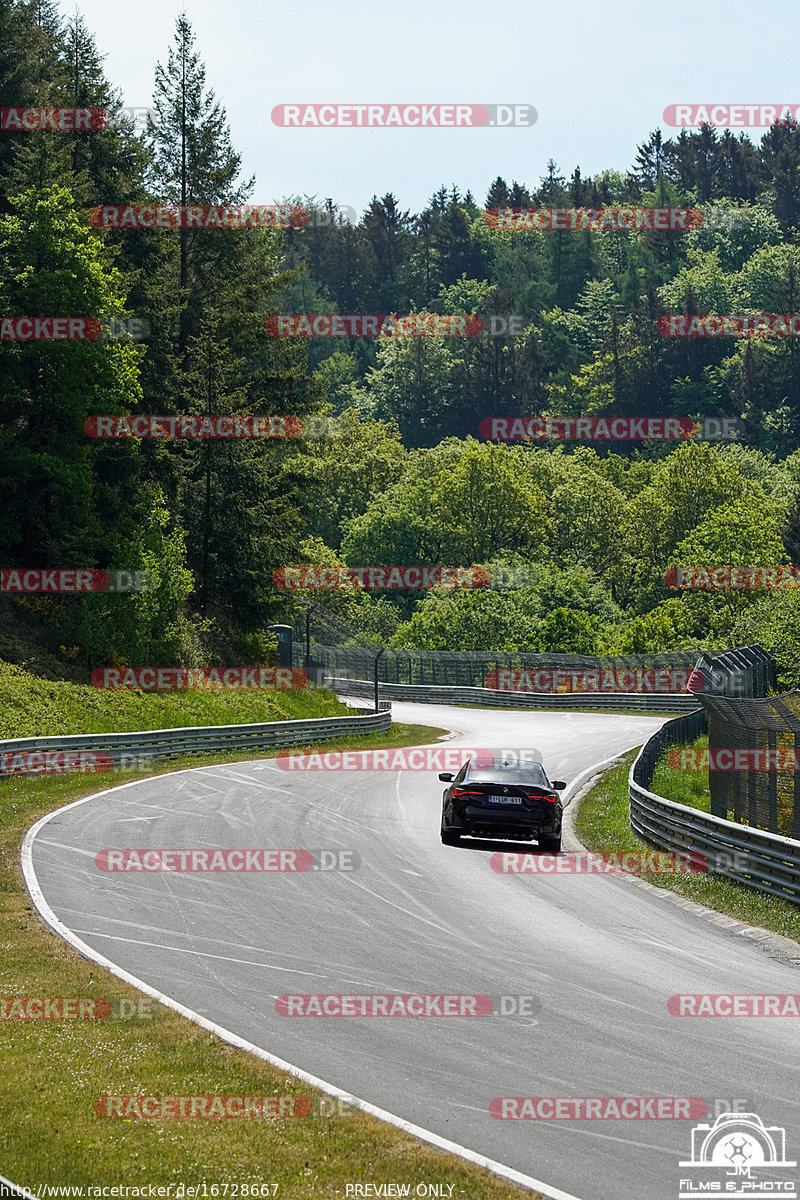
[[683, 787], [603, 825], [52, 1071], [34, 707], [691, 787]]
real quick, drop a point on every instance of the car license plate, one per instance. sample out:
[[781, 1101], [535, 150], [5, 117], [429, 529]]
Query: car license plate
[[504, 799]]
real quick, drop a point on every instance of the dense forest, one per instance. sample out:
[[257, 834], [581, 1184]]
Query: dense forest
[[402, 474]]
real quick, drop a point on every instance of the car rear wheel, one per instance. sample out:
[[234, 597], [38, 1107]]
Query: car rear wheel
[[450, 837], [549, 843]]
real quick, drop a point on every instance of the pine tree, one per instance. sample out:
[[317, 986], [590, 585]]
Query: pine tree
[[649, 160], [193, 160], [519, 196], [386, 228], [19, 77], [780, 150], [111, 160], [53, 495], [38, 159], [498, 195]]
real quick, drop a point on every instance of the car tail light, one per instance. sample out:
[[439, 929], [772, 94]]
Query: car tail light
[[459, 791], [543, 796]]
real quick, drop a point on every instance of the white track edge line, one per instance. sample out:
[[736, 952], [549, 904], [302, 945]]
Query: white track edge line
[[226, 1035], [579, 780]]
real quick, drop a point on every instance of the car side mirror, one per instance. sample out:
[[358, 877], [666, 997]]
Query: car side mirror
[[446, 776], [559, 785]]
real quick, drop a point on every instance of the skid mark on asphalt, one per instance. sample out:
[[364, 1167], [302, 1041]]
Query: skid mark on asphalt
[[111, 937]]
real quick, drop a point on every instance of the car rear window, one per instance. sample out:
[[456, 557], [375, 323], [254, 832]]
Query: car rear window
[[531, 774]]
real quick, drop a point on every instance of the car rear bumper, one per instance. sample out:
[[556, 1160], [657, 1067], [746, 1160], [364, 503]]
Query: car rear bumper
[[482, 821]]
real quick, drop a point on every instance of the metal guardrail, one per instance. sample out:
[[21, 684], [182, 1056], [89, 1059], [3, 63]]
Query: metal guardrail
[[656, 702], [765, 861], [212, 739]]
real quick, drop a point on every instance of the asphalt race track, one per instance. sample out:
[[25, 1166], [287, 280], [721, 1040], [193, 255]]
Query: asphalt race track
[[600, 954]]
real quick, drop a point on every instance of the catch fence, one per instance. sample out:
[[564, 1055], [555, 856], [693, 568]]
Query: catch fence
[[443, 668]]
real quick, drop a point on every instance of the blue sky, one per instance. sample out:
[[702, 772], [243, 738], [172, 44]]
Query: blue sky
[[599, 74]]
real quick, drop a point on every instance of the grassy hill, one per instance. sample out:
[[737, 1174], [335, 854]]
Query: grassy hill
[[31, 706]]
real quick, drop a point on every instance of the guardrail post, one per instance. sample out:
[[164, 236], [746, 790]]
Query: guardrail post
[[377, 659]]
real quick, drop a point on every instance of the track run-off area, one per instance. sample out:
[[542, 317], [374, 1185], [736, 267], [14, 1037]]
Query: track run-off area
[[599, 955]]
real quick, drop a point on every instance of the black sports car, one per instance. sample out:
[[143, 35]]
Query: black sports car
[[499, 798]]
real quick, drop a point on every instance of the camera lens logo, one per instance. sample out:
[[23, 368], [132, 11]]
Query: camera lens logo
[[730, 1150]]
